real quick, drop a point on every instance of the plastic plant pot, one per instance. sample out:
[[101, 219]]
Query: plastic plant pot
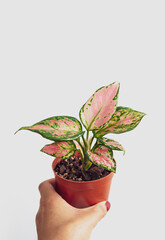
[[81, 194]]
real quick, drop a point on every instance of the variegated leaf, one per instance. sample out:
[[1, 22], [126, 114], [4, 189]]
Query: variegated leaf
[[100, 107], [112, 144], [102, 157], [60, 149], [123, 120], [57, 128]]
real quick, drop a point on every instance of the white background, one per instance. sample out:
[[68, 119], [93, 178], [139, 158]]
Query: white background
[[53, 56]]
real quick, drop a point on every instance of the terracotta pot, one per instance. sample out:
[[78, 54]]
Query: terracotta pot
[[82, 194]]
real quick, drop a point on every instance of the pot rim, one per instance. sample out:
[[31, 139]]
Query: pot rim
[[81, 182]]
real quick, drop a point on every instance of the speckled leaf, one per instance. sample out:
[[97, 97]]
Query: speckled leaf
[[123, 120], [102, 157], [112, 144], [60, 149], [57, 128], [100, 107]]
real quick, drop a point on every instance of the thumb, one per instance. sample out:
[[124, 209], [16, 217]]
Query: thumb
[[95, 213]]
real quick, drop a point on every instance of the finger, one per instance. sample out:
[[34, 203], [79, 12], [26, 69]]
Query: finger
[[95, 213], [47, 189], [48, 192]]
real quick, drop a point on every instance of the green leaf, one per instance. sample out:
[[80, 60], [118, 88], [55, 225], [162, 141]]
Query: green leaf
[[100, 107], [60, 149], [112, 144], [60, 128], [102, 157], [123, 120]]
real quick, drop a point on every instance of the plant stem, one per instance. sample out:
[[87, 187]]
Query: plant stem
[[91, 140], [87, 135], [85, 144], [86, 160], [83, 153], [88, 165], [81, 146]]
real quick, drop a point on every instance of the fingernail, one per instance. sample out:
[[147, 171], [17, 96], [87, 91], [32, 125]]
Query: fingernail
[[108, 205]]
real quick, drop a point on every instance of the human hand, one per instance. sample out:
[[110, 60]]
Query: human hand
[[58, 220]]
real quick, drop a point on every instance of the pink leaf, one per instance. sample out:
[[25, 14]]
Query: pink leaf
[[57, 128], [60, 149], [99, 108], [102, 157], [112, 144], [123, 120]]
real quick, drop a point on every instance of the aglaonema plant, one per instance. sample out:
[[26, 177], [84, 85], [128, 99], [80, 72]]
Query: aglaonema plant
[[100, 116]]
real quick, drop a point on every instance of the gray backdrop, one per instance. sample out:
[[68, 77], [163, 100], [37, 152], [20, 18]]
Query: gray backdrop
[[53, 56]]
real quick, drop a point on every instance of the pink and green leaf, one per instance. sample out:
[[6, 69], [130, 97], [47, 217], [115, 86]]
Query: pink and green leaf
[[102, 157], [123, 120], [112, 144], [100, 107], [60, 149], [57, 128]]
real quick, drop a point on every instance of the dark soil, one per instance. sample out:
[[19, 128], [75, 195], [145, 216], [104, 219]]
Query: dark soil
[[72, 169]]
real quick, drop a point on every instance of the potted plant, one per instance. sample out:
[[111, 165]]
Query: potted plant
[[84, 163]]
